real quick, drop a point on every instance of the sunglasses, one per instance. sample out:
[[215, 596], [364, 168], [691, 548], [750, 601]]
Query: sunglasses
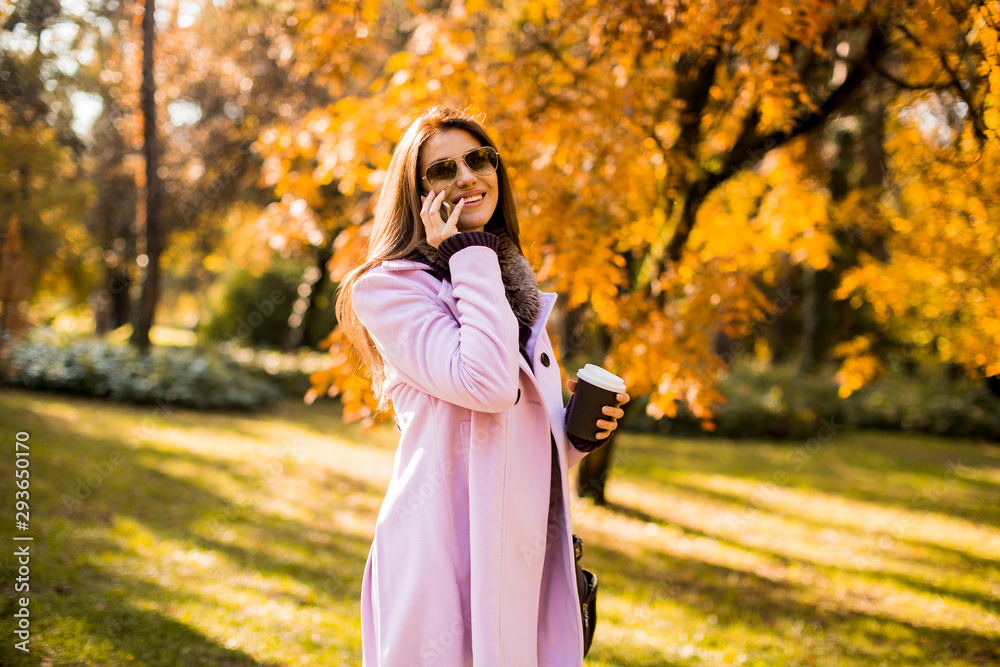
[[441, 174]]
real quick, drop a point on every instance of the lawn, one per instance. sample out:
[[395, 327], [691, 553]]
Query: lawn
[[173, 537]]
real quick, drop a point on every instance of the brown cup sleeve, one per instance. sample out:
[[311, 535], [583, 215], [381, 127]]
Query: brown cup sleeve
[[586, 406]]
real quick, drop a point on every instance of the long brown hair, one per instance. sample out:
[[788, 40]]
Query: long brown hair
[[397, 229]]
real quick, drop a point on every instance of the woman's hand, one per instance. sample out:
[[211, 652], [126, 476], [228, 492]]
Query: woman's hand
[[612, 411], [438, 230]]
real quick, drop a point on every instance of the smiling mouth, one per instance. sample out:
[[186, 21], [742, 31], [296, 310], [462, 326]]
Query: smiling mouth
[[473, 199]]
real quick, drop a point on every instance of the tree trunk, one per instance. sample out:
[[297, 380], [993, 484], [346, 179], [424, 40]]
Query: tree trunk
[[780, 334], [14, 294], [150, 231], [593, 475], [813, 302], [112, 305], [312, 279], [595, 467], [574, 336]]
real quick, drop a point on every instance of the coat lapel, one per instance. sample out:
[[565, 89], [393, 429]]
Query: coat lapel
[[547, 379]]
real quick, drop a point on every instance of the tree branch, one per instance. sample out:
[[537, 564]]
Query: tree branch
[[978, 128], [905, 84], [748, 151]]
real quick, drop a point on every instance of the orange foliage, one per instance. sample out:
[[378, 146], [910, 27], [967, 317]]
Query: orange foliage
[[661, 162]]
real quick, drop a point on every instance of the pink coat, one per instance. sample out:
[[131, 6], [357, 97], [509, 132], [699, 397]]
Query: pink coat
[[464, 567]]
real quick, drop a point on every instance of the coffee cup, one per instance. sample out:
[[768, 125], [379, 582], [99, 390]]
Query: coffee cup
[[595, 388]]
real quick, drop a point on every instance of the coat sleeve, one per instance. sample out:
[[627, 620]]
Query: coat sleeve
[[472, 362]]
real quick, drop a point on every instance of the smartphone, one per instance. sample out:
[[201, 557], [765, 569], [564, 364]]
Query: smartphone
[[445, 211]]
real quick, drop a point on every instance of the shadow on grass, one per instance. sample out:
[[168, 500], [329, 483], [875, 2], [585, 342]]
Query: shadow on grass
[[987, 602], [94, 598], [159, 490], [744, 602], [138, 636], [741, 503], [853, 465], [171, 505]]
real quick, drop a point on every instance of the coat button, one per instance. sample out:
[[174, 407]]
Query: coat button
[[545, 359]]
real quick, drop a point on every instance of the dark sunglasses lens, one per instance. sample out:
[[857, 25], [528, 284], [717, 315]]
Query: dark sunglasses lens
[[442, 173], [482, 161]]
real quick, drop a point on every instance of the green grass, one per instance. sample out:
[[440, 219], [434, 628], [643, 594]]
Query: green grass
[[185, 538]]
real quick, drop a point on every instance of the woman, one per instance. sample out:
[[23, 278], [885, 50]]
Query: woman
[[472, 558]]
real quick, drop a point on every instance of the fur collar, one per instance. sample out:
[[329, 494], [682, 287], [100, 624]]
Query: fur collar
[[519, 278]]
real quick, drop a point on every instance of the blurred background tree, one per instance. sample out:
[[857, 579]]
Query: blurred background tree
[[219, 75], [41, 184]]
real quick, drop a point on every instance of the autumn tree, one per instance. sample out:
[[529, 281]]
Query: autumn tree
[[672, 162], [935, 289], [42, 185], [149, 221], [221, 74]]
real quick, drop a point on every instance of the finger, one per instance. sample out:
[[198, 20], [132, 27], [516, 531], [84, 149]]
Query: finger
[[612, 411], [431, 231], [455, 212], [623, 398], [571, 384], [435, 209], [426, 206], [607, 425], [451, 224]]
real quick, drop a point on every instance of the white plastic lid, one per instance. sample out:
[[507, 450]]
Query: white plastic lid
[[599, 377]]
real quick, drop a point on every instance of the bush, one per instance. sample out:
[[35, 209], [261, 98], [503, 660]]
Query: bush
[[182, 376], [763, 402], [780, 402], [254, 311], [928, 402], [777, 402]]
